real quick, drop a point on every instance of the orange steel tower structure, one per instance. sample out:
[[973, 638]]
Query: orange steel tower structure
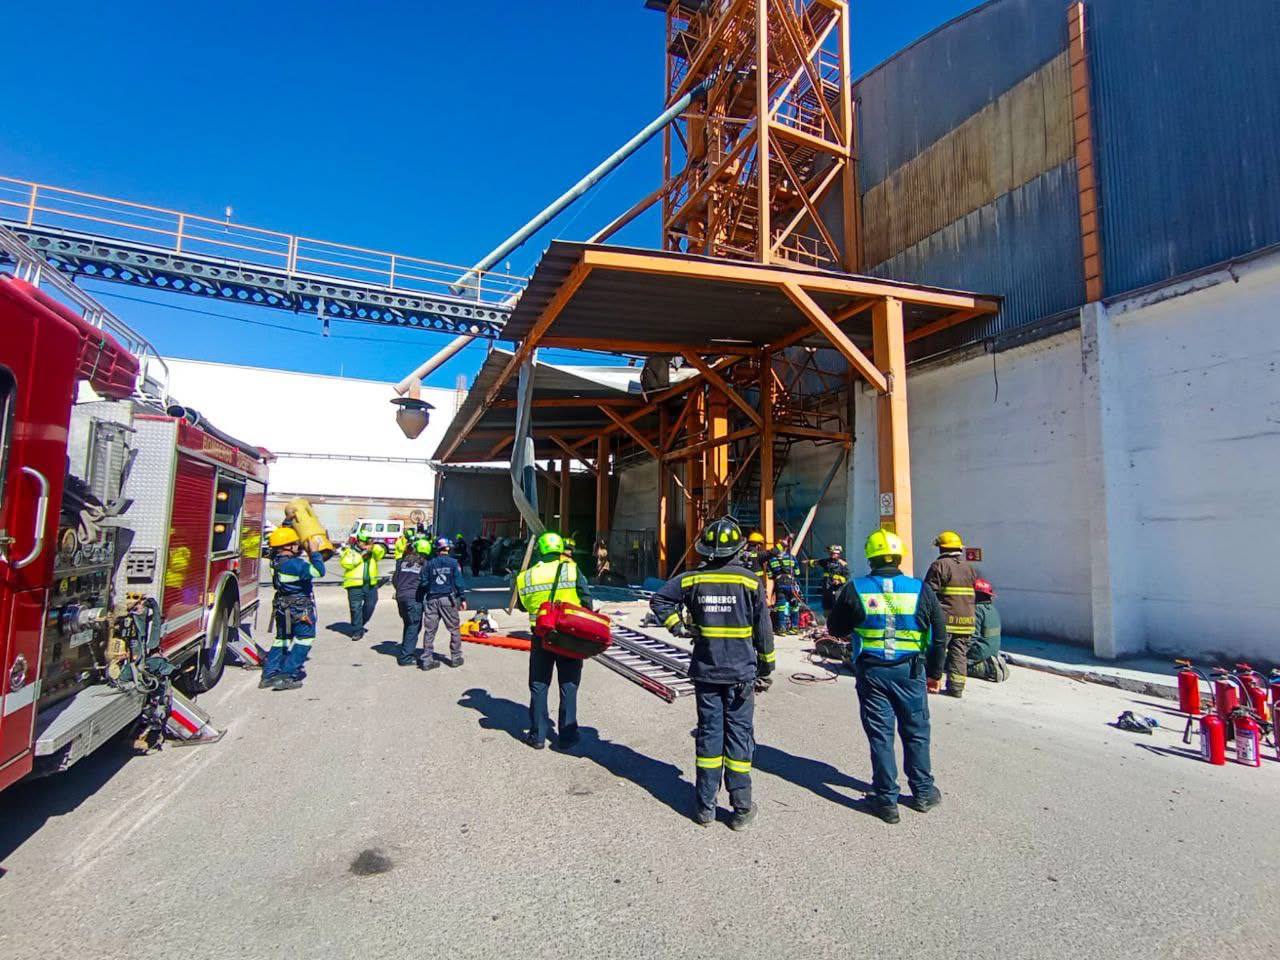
[[765, 167]]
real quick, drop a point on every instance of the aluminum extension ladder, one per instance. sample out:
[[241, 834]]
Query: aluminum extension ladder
[[661, 668]]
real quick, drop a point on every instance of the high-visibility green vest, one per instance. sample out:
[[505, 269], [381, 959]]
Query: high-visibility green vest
[[536, 585], [891, 628], [358, 572]]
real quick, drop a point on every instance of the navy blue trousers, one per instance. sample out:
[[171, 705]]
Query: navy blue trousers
[[889, 694], [411, 616], [725, 742], [360, 603], [569, 674]]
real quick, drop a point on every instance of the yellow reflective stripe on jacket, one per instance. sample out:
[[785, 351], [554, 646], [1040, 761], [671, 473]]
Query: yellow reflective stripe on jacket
[[738, 766], [770, 657], [671, 620], [710, 763], [958, 591], [726, 633], [738, 579]]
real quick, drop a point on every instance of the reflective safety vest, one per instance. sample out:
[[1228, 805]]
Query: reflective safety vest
[[536, 585], [358, 572], [891, 629]]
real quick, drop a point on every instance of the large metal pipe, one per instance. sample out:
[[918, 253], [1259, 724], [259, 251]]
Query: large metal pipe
[[430, 366], [514, 241]]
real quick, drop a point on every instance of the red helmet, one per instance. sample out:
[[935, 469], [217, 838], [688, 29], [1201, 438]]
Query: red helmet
[[984, 586]]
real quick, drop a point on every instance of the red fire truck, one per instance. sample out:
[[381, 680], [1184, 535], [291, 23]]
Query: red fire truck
[[130, 529]]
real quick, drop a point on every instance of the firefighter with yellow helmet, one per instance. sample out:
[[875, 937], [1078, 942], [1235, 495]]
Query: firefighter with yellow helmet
[[293, 608], [892, 618], [952, 579]]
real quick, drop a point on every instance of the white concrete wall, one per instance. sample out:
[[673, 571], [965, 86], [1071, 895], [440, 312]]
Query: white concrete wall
[[307, 413], [1121, 483], [997, 455], [1201, 416]]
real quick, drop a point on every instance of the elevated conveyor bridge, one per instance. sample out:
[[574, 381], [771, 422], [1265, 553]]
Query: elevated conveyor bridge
[[87, 235]]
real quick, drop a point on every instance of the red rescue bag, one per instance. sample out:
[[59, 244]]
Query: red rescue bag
[[569, 630]]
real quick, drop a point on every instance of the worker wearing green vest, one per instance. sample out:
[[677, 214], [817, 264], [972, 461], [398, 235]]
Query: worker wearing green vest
[[894, 617], [552, 574]]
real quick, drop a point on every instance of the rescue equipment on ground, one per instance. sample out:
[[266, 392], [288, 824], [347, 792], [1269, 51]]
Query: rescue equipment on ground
[[660, 667], [497, 640], [1134, 724], [299, 515]]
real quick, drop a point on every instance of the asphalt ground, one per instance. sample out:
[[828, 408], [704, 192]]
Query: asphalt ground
[[383, 812]]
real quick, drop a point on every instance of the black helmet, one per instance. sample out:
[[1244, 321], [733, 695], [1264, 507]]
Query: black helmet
[[721, 539]]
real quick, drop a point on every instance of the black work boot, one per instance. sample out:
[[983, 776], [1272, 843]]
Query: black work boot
[[457, 661], [704, 816], [266, 683], [529, 740], [888, 812], [428, 663], [924, 801], [741, 819], [286, 683]]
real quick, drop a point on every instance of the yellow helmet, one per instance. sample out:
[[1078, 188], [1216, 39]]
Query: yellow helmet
[[948, 540], [282, 537], [756, 537], [883, 543]]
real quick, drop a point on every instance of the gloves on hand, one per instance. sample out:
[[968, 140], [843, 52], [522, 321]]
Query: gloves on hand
[[680, 630]]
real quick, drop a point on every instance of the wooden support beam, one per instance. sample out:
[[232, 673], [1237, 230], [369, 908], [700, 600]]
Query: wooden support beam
[[893, 449], [645, 346], [498, 447], [722, 385], [695, 449], [766, 447], [571, 452], [664, 491], [728, 272], [635, 434], [602, 488], [581, 270], [848, 349], [546, 403], [812, 433], [951, 320], [566, 487]]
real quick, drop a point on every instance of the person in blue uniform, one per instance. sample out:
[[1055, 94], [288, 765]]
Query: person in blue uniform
[[732, 646], [443, 592], [783, 570], [293, 609], [894, 618]]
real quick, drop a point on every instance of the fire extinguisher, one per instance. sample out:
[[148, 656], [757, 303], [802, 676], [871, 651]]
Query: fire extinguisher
[[1248, 739], [1213, 740], [1226, 697], [1188, 688], [1255, 688]]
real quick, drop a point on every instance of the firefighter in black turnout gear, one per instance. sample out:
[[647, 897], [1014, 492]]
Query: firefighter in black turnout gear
[[732, 646]]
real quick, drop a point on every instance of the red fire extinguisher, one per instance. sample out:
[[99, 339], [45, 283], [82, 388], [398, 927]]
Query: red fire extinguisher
[[1248, 739], [1213, 740], [1255, 688], [1188, 689], [1275, 689], [1226, 697]]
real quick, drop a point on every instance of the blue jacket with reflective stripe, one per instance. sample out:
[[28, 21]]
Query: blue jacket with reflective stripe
[[293, 576], [849, 613]]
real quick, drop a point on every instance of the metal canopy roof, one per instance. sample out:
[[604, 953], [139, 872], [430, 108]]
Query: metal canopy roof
[[659, 309], [550, 383]]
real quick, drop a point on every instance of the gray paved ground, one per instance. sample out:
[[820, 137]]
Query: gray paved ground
[[381, 812]]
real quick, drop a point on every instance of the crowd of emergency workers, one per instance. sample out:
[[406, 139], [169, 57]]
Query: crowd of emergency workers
[[906, 636]]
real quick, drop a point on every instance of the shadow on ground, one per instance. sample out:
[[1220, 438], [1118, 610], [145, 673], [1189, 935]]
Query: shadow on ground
[[662, 781], [817, 777]]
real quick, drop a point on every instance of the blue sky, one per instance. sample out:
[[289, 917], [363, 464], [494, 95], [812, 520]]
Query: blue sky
[[430, 129]]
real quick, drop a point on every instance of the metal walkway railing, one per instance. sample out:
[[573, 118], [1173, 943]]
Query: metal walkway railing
[[85, 234]]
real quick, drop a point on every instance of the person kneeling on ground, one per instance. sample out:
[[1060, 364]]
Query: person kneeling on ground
[[406, 581], [986, 662], [293, 609], [442, 593]]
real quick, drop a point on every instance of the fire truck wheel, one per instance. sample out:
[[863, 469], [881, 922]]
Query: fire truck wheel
[[211, 659]]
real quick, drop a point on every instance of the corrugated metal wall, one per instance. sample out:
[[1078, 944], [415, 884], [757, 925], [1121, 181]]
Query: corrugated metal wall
[[1187, 118], [968, 181]]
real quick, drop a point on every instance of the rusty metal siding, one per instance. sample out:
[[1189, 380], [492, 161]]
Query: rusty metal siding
[[1012, 140], [911, 100], [1025, 245], [1187, 110]]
